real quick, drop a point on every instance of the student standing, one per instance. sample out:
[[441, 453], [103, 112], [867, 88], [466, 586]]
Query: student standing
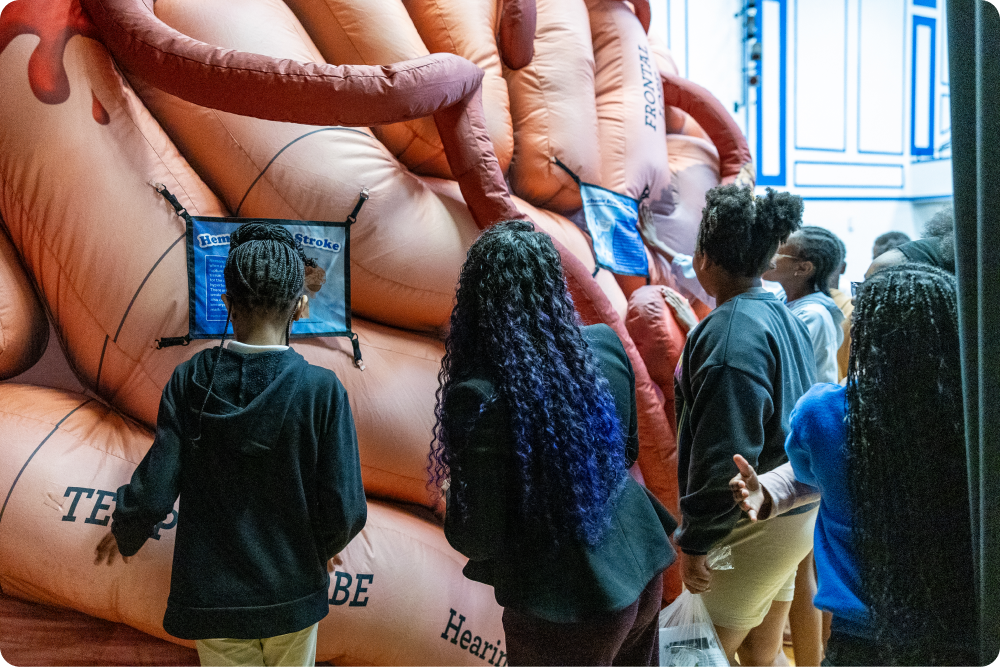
[[261, 447], [803, 265], [887, 453], [536, 429], [742, 370]]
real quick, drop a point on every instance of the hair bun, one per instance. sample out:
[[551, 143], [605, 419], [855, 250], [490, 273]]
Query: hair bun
[[261, 231]]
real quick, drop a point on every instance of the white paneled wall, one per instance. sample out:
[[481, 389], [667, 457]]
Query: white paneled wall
[[852, 110]]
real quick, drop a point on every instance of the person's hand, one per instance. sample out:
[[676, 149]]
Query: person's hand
[[107, 549], [682, 309], [647, 228], [747, 491], [695, 573]]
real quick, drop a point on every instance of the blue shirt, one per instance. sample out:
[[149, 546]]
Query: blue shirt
[[815, 448]]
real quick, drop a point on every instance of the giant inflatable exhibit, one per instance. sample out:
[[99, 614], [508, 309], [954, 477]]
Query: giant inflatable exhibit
[[453, 114]]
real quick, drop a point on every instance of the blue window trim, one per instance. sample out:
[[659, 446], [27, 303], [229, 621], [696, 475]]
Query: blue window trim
[[782, 176], [843, 148], [901, 186], [926, 3], [902, 130], [929, 150]]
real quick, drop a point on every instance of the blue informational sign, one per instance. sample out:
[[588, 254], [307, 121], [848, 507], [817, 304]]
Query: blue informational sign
[[327, 284], [612, 219]]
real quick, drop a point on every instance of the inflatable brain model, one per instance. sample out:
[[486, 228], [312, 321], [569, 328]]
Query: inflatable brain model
[[450, 112]]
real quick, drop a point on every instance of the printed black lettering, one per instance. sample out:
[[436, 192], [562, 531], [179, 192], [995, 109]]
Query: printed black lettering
[[500, 662], [361, 589], [451, 624], [477, 643], [163, 525], [99, 506], [78, 490], [464, 641], [339, 588], [495, 648], [486, 647]]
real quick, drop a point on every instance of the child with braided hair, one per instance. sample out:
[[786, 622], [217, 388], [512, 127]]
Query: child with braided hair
[[887, 455], [261, 447]]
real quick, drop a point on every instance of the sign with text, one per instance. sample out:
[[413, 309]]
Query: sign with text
[[611, 220], [327, 281]]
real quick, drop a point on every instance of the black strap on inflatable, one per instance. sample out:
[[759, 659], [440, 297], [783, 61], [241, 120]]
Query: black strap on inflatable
[[170, 341], [362, 198], [569, 171], [576, 178]]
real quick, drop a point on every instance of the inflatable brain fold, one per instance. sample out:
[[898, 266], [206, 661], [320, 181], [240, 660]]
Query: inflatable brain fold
[[447, 98]]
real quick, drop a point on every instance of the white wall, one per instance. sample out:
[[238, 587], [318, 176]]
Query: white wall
[[859, 129]]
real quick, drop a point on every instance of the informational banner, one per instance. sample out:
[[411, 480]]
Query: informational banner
[[327, 284], [611, 220]]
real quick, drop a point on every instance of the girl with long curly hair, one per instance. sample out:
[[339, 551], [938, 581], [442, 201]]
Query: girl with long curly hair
[[887, 455], [536, 429]]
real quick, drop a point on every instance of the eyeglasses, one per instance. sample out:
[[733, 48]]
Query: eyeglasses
[[856, 287]]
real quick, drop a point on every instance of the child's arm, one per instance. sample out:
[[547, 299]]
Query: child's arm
[[149, 497], [341, 507], [726, 417]]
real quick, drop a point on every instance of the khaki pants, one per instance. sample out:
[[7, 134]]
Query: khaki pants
[[296, 649], [766, 556]]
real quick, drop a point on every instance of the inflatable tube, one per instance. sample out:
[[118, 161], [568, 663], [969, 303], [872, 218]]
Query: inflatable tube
[[378, 32], [285, 90], [516, 37], [660, 340], [65, 455], [468, 28], [553, 110], [24, 329], [712, 117]]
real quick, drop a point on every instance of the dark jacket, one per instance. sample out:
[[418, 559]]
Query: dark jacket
[[742, 370], [513, 556], [268, 494]]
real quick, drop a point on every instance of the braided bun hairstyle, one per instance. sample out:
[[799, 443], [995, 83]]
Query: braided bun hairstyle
[[821, 247], [741, 233], [265, 269]]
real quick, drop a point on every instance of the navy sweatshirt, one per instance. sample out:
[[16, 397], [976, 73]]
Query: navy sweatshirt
[[742, 370], [268, 494]]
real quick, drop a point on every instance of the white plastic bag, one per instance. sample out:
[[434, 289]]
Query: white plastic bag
[[687, 636]]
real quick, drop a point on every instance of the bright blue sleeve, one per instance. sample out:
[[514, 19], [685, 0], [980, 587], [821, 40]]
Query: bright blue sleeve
[[815, 424]]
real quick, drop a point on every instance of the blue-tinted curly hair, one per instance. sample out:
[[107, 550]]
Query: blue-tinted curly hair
[[514, 322]]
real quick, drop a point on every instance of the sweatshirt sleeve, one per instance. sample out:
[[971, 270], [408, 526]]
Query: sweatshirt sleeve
[[785, 490], [342, 509], [150, 495], [726, 417], [477, 527]]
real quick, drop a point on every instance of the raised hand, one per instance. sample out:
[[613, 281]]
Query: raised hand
[[747, 491]]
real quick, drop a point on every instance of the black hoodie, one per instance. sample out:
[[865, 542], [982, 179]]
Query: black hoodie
[[268, 494]]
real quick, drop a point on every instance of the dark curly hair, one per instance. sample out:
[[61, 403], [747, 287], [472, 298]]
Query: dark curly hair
[[741, 233], [514, 322], [906, 443], [942, 227], [821, 247]]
